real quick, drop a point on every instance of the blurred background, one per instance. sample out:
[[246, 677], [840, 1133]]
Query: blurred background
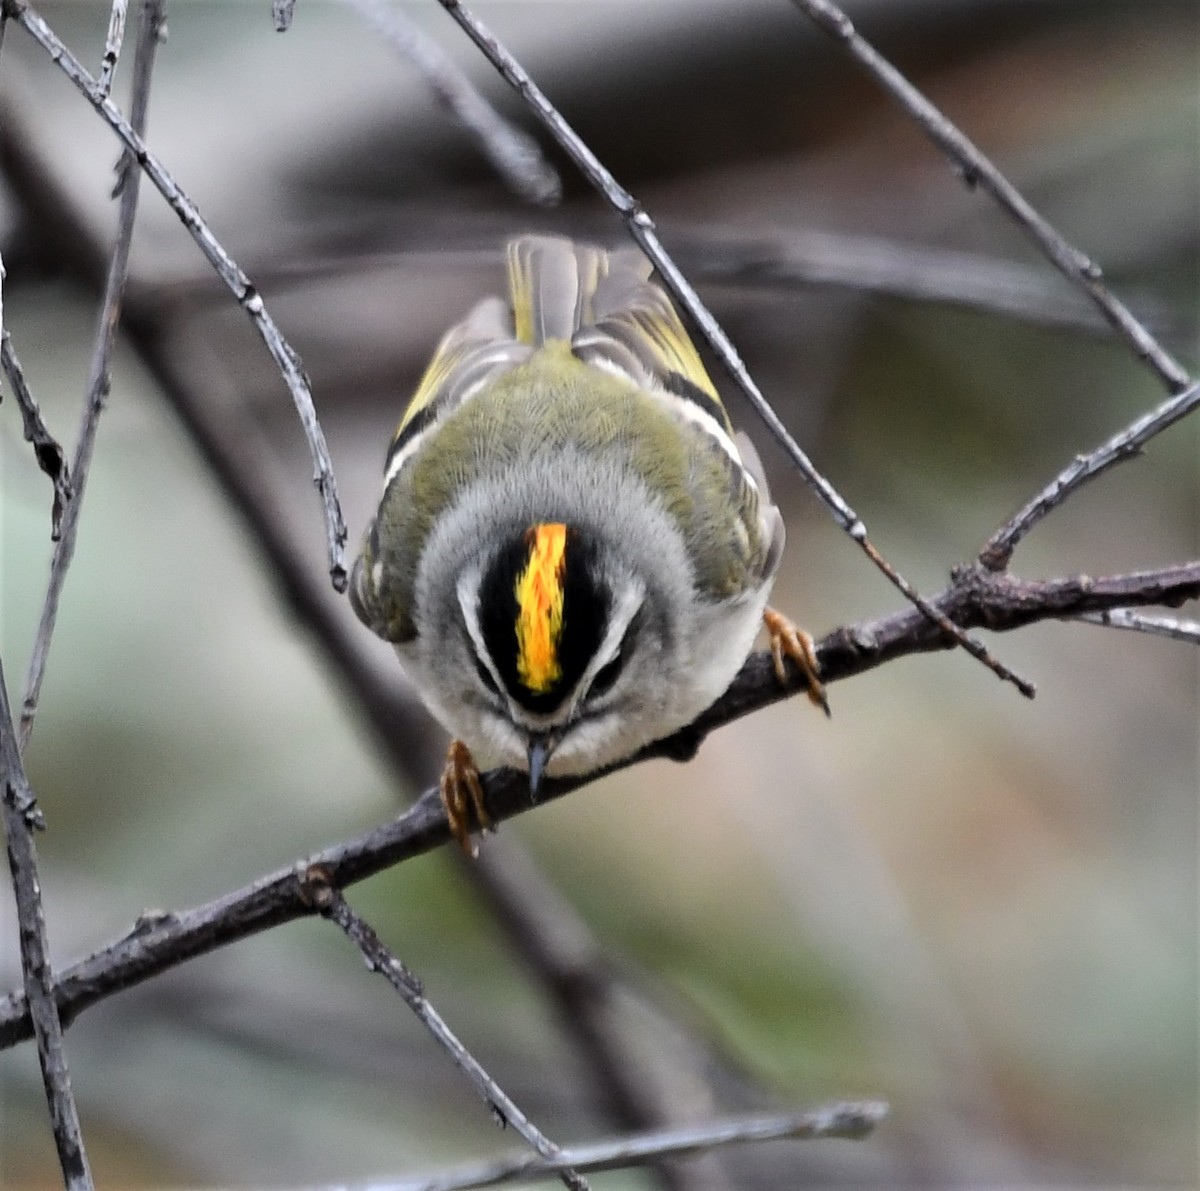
[[981, 908]]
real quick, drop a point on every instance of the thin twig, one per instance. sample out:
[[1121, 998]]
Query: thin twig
[[1174, 627], [21, 816], [46, 448], [641, 228], [99, 374], [514, 154], [227, 269], [382, 959], [977, 170], [976, 597], [112, 46], [849, 1119], [998, 549]]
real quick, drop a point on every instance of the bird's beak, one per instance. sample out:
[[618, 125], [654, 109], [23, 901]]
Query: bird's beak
[[541, 746]]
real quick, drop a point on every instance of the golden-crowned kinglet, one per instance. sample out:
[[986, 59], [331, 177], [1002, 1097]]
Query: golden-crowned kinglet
[[573, 553]]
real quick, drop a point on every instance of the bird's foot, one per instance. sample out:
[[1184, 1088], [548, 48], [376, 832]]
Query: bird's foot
[[462, 796], [789, 641]]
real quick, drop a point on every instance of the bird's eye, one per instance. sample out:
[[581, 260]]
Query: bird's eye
[[606, 676], [485, 676]]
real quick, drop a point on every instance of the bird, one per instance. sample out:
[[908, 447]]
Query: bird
[[574, 551]]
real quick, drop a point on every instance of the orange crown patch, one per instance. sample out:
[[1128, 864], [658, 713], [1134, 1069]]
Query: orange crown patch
[[539, 592]]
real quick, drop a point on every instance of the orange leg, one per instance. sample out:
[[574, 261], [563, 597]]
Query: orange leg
[[790, 641], [462, 796]]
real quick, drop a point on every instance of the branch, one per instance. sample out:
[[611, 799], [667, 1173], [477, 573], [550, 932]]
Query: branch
[[1175, 627], [99, 377], [21, 816], [382, 959], [977, 170], [641, 228], [46, 449], [227, 269], [975, 598], [851, 1119], [112, 47], [1127, 443], [514, 155]]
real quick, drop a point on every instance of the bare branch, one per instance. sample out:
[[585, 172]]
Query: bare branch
[[977, 170], [976, 597], [46, 448], [641, 228], [227, 269], [998, 549], [1175, 627], [21, 816], [99, 378], [849, 1119], [112, 47], [514, 154], [382, 959]]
